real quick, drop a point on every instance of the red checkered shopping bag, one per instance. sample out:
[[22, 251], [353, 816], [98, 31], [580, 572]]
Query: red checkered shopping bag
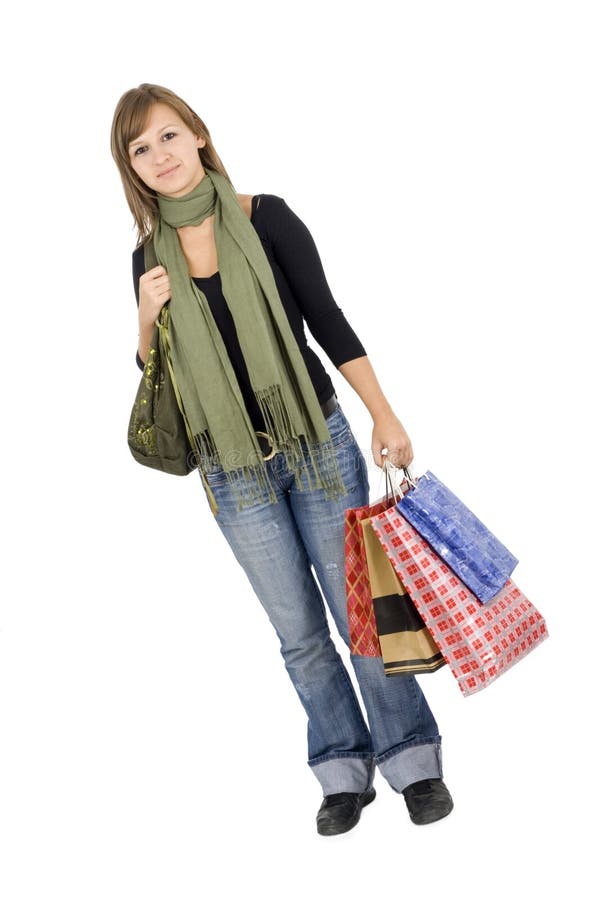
[[364, 639], [478, 641]]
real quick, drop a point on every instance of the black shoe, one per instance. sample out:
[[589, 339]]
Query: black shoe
[[428, 800], [341, 812]]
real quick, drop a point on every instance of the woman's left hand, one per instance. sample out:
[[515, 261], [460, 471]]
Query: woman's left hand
[[388, 432]]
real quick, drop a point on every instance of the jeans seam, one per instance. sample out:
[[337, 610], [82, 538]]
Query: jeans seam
[[417, 704], [355, 702]]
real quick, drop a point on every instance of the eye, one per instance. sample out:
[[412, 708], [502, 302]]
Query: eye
[[169, 135], [139, 150]]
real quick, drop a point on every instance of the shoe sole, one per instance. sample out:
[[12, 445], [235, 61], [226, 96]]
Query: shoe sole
[[330, 833], [428, 820]]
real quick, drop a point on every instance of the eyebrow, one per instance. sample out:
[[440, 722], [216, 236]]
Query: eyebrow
[[141, 140]]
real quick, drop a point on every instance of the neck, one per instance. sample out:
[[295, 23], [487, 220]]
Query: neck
[[206, 227], [193, 208]]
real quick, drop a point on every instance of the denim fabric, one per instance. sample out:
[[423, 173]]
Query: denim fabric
[[276, 544]]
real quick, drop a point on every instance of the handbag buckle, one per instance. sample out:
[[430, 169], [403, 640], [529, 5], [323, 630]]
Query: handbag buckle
[[271, 442]]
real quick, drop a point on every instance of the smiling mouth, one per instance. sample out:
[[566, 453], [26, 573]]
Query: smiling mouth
[[168, 172]]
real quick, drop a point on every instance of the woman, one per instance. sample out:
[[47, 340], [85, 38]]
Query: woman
[[278, 459]]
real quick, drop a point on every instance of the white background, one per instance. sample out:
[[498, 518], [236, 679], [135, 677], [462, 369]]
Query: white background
[[444, 156]]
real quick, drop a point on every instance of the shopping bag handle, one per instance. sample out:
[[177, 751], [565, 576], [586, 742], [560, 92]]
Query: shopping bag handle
[[387, 469], [388, 465]]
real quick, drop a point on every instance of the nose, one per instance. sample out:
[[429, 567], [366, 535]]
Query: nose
[[160, 156]]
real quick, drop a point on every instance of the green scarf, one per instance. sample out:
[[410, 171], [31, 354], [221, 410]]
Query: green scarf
[[214, 406]]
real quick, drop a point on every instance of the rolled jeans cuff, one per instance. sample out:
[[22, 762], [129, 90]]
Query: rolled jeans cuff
[[353, 772], [406, 765]]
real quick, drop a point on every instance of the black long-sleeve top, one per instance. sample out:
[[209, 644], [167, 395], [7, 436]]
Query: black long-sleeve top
[[304, 292]]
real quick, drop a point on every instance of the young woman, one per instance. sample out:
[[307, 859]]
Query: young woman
[[278, 459]]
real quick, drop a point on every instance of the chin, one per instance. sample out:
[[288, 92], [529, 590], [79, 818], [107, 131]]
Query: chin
[[168, 189]]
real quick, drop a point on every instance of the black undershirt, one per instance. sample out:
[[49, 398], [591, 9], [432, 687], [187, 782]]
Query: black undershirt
[[304, 292]]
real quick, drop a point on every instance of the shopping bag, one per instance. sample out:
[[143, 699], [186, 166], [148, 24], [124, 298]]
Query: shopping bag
[[479, 641], [470, 549], [406, 645], [364, 640]]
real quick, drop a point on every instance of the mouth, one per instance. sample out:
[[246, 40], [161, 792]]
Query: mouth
[[167, 171]]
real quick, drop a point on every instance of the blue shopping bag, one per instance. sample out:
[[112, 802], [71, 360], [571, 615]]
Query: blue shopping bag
[[467, 547]]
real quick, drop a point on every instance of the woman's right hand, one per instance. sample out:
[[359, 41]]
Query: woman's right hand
[[155, 291]]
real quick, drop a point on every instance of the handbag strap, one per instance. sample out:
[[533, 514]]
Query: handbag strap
[[150, 260]]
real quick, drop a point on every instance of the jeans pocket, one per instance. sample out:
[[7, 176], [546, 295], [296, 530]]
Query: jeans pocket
[[214, 474]]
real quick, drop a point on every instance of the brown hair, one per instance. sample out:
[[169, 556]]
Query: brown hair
[[129, 120]]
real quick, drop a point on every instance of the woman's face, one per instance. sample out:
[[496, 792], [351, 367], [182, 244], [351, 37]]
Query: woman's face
[[165, 155]]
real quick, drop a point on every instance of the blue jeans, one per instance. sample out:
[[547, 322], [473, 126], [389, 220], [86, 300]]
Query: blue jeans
[[276, 544]]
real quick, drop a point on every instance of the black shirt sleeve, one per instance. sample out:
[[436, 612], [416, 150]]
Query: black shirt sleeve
[[138, 270], [297, 255]]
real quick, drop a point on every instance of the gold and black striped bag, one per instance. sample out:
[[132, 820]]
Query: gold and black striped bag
[[407, 647]]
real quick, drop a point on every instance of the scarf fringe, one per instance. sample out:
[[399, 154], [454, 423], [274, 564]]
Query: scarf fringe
[[250, 484], [323, 471]]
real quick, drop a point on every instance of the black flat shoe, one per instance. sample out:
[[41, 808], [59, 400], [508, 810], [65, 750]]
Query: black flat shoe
[[428, 801], [340, 812]]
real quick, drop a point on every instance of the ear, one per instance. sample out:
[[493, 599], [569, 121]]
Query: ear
[[200, 142]]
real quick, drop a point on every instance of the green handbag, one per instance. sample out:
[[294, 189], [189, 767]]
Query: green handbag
[[158, 433]]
